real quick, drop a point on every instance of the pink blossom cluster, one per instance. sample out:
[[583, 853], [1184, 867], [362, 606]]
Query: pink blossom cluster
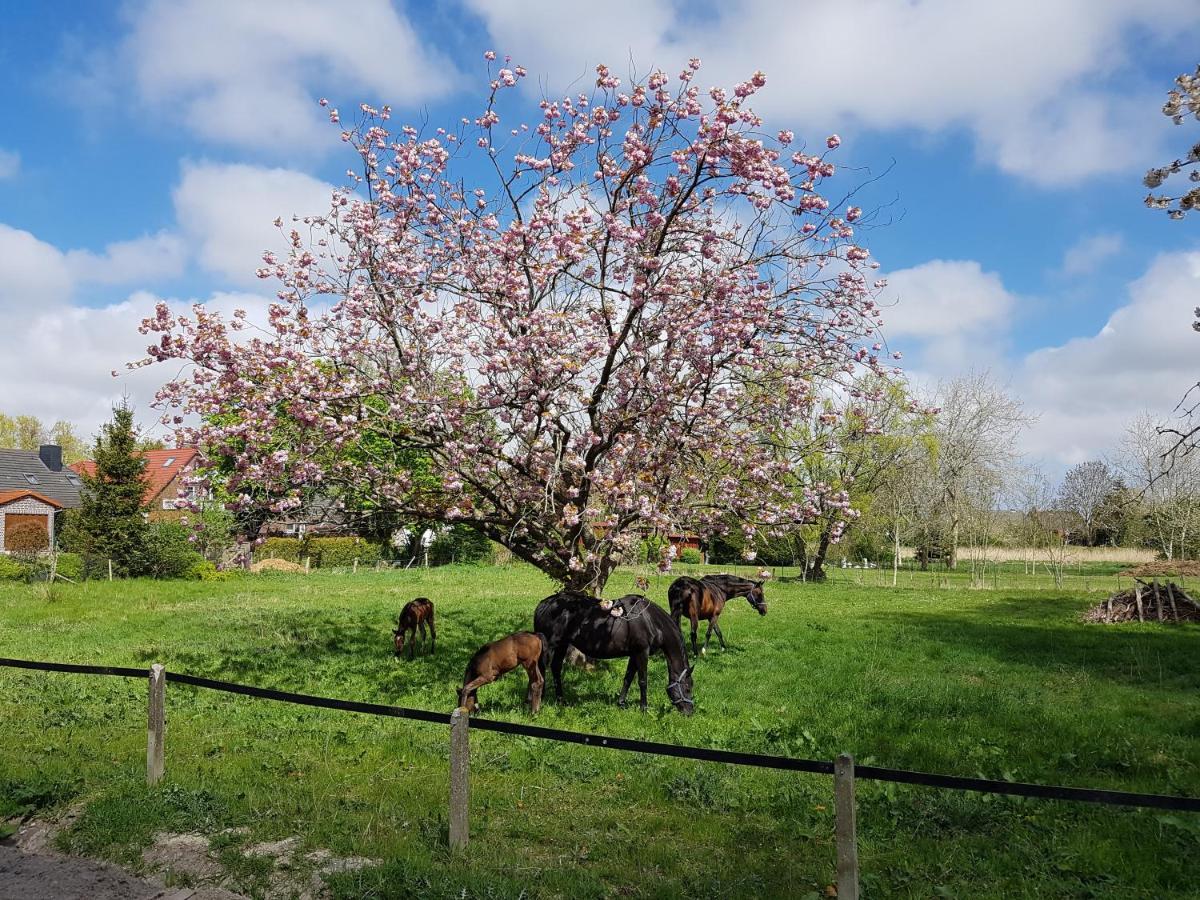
[[609, 335]]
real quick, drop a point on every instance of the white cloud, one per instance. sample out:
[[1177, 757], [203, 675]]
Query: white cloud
[[947, 315], [10, 163], [161, 255], [61, 368], [1086, 254], [32, 272], [227, 212], [1088, 389], [249, 74], [1045, 88]]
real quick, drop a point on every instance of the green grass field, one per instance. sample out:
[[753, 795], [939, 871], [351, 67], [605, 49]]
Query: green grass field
[[1004, 683]]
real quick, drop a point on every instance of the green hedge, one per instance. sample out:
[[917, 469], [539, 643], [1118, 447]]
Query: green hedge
[[70, 565], [325, 552], [12, 570]]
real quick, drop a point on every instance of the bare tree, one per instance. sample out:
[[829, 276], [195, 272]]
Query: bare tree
[[1040, 528], [1169, 485], [1083, 492], [975, 430]]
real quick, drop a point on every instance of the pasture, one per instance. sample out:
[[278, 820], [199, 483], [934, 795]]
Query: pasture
[[1004, 683]]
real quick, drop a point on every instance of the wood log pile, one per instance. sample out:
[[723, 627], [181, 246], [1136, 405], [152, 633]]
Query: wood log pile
[[1163, 568], [1147, 602]]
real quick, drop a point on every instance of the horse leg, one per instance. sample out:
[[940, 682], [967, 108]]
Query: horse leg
[[470, 690], [642, 659], [695, 625], [717, 629], [412, 643], [537, 681], [712, 623], [421, 625], [556, 667], [630, 670]]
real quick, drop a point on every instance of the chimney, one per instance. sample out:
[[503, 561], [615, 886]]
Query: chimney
[[51, 456]]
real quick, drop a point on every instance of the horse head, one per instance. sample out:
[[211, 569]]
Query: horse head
[[757, 599], [680, 692], [397, 642]]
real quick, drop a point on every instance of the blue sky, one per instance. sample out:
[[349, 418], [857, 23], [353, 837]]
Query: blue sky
[[148, 145]]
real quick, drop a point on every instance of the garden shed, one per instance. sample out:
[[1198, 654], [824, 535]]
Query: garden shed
[[23, 508]]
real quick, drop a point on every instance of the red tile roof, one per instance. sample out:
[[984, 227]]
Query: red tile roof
[[161, 468], [7, 497]]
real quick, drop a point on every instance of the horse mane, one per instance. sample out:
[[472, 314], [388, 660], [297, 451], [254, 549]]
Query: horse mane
[[725, 578]]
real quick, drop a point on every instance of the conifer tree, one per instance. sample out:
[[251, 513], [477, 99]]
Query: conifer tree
[[110, 523]]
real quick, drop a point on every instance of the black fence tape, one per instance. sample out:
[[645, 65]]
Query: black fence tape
[[372, 709], [119, 671], [705, 754]]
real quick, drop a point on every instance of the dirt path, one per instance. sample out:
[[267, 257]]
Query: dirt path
[[53, 876], [31, 869]]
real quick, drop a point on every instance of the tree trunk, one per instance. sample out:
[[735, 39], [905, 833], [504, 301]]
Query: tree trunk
[[951, 554], [817, 573]]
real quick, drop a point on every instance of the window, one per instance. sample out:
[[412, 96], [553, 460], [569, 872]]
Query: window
[[74, 479], [32, 479], [168, 461], [168, 504]]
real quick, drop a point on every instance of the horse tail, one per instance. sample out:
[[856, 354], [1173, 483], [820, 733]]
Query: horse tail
[[544, 657]]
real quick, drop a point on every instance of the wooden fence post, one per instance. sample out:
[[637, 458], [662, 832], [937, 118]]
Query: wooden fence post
[[460, 768], [846, 830], [355, 572], [307, 563], [156, 724], [110, 570]]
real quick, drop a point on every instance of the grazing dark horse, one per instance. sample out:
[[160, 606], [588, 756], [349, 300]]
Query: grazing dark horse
[[633, 627], [492, 660], [416, 614], [704, 598]]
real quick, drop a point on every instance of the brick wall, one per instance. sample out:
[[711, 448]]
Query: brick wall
[[28, 506]]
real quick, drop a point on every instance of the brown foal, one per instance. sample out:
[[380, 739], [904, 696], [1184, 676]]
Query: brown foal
[[416, 614], [492, 660]]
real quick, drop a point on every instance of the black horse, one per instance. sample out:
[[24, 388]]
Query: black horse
[[705, 598], [641, 628]]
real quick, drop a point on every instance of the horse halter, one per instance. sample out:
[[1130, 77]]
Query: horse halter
[[678, 683]]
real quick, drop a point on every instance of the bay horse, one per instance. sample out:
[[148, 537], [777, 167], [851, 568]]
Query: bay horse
[[416, 614], [524, 648], [705, 598], [639, 629]]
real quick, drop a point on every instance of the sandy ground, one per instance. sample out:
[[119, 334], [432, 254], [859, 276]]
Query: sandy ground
[[31, 869], [53, 876]]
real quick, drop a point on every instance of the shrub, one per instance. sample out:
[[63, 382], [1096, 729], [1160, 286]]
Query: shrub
[[206, 570], [329, 552], [650, 549], [70, 565], [291, 549], [27, 538], [13, 569], [691, 556], [324, 552], [168, 552]]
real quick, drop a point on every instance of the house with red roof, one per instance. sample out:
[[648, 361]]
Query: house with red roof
[[165, 471], [34, 485]]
